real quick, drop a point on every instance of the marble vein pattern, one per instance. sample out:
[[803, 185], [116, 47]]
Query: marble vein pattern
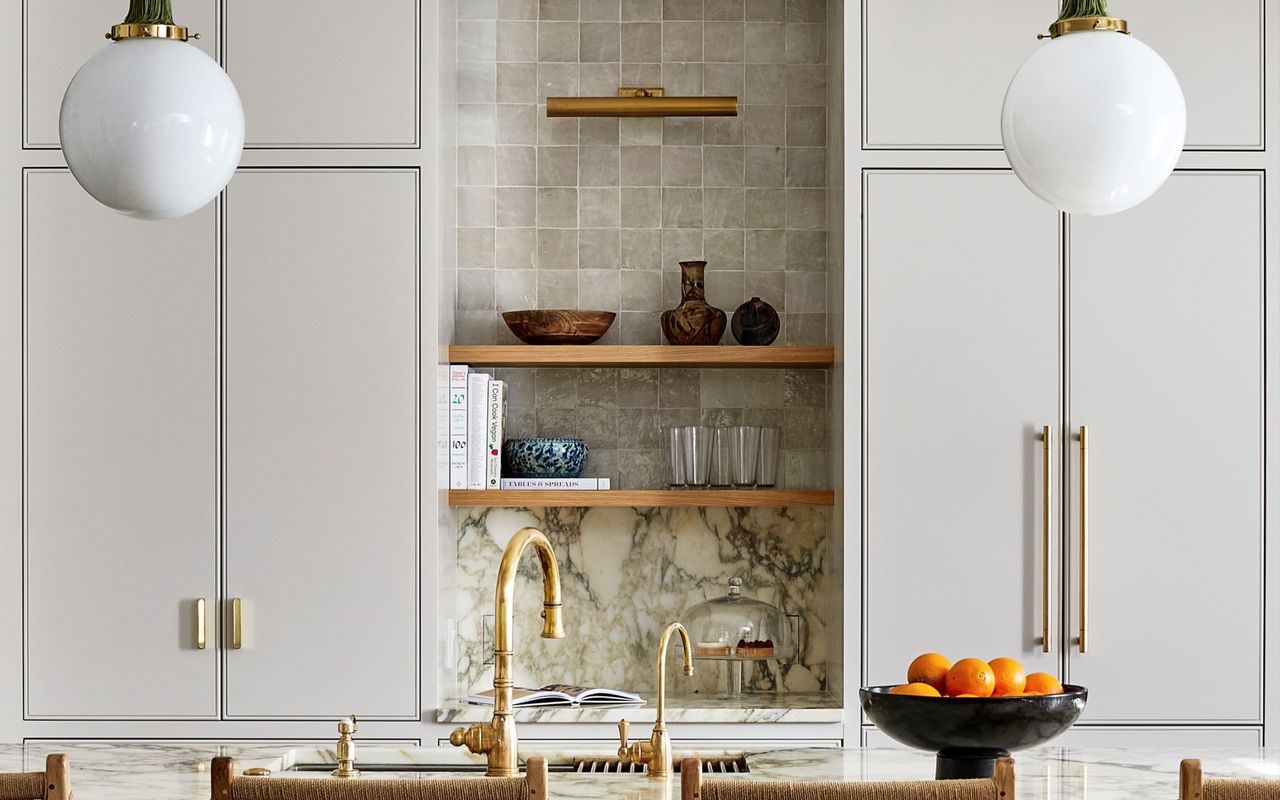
[[786, 707], [625, 574], [179, 771]]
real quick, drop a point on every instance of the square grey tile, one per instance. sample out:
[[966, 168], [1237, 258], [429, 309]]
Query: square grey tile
[[677, 246], [681, 41], [723, 80], [641, 165], [722, 131], [806, 126], [724, 9], [475, 290], [641, 208], [557, 208], [476, 165], [557, 288], [806, 292], [768, 286], [641, 290], [806, 10], [681, 166], [516, 207], [806, 166], [640, 131], [558, 9], [477, 82], [764, 125], [517, 165], [682, 9], [682, 131], [557, 166], [767, 10], [722, 166], [476, 247], [766, 208], [766, 84], [641, 249], [598, 131], [599, 208], [599, 79], [517, 41], [641, 10], [517, 291], [556, 130], [517, 9], [599, 248], [517, 124], [766, 250], [477, 40], [557, 249], [598, 289], [557, 41], [806, 251], [598, 166], [765, 166], [517, 83], [806, 209], [723, 41], [724, 249], [806, 44], [766, 43], [642, 42], [806, 85], [682, 80], [476, 123], [681, 208], [639, 327], [723, 208], [476, 206], [680, 388], [641, 75], [600, 41], [557, 80], [599, 9], [517, 248]]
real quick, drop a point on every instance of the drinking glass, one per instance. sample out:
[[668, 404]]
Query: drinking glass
[[720, 459], [673, 447], [696, 443], [767, 469], [744, 447]]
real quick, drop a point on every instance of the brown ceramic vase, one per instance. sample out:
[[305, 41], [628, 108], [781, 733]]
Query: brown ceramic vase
[[694, 321]]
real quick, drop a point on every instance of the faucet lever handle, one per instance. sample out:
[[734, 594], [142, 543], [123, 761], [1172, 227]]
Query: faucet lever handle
[[623, 726]]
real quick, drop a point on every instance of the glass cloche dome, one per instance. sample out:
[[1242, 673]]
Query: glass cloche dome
[[738, 628]]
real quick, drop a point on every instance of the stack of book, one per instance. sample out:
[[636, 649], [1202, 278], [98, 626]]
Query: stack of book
[[477, 428]]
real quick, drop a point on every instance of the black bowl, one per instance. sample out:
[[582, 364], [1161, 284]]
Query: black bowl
[[970, 733]]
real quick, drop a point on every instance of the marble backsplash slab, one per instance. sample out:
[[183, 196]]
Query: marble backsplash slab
[[625, 574]]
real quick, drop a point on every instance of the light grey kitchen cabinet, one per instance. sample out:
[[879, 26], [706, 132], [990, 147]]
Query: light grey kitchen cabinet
[[983, 322], [963, 370], [1166, 365], [120, 468], [321, 443]]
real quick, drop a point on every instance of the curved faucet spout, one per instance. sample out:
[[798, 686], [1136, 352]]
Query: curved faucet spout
[[674, 627], [498, 738]]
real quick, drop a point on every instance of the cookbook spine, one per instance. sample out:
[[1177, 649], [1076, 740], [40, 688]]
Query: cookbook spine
[[458, 426]]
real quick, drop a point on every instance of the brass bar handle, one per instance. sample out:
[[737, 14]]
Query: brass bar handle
[[202, 640], [237, 623], [1084, 536], [1046, 451]]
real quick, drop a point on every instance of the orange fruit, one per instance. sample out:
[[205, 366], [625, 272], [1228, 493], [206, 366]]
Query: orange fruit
[[1043, 683], [917, 689], [971, 676], [964, 695], [1010, 677], [930, 668]]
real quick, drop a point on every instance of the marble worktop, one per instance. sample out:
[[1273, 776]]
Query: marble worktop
[[179, 771], [703, 708]]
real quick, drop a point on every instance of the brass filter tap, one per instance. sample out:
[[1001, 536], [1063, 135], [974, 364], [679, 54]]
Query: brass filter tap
[[346, 749], [656, 753]]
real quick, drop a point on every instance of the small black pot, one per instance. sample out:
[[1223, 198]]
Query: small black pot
[[756, 323]]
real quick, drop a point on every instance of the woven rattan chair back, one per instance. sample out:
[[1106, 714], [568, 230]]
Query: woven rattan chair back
[[694, 787]]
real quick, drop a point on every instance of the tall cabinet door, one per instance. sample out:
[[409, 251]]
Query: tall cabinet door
[[963, 369], [1166, 357], [321, 429], [120, 458]]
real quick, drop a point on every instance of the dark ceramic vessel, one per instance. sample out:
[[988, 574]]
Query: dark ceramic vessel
[[544, 458], [694, 321], [756, 323], [970, 733]]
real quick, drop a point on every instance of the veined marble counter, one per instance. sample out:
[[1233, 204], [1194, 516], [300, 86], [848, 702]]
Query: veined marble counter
[[172, 771], [747, 707]]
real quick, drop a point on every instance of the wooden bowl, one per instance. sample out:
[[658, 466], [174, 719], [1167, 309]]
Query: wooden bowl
[[558, 325]]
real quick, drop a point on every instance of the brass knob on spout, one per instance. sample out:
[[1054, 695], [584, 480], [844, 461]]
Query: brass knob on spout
[[346, 749]]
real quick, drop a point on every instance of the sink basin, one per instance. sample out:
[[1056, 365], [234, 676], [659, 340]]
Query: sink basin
[[451, 760]]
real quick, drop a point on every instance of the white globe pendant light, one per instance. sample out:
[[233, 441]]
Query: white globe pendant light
[[1094, 121], [150, 125]]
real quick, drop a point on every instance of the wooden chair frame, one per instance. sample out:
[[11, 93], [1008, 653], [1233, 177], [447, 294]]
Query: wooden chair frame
[[224, 779], [1191, 785], [52, 784], [1002, 785]]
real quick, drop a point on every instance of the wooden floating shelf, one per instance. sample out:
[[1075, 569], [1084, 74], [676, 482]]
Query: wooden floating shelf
[[525, 355], [615, 498]]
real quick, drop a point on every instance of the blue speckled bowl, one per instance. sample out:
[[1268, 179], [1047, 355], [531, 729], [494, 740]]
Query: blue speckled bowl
[[544, 458]]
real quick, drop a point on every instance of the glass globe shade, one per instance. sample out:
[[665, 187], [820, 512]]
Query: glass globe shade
[[152, 128], [1094, 122]]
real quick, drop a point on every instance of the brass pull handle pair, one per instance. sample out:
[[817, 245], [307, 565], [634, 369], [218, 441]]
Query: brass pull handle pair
[[237, 625], [1046, 467]]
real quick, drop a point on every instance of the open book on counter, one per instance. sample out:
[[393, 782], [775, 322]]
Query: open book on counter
[[559, 694]]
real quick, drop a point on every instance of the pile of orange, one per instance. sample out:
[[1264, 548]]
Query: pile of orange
[[932, 675]]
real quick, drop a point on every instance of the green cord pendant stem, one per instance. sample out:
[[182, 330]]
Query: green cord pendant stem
[[150, 12], [1073, 9]]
